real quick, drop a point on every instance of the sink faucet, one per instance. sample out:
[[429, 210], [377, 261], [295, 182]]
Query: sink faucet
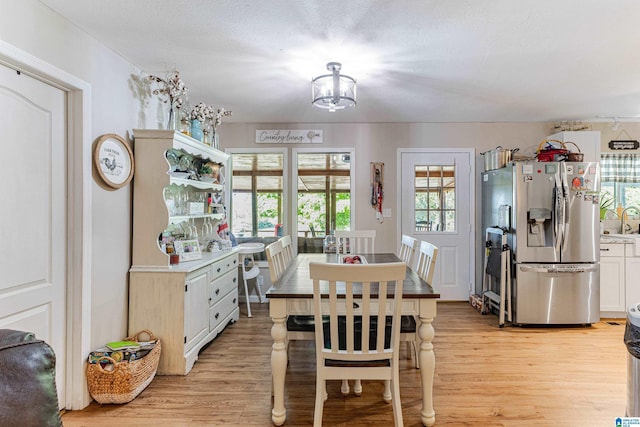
[[623, 224]]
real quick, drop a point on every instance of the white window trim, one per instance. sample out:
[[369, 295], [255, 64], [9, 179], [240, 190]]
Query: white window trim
[[294, 184], [285, 174]]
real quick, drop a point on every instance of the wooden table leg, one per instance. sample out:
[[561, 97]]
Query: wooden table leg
[[427, 359], [277, 309]]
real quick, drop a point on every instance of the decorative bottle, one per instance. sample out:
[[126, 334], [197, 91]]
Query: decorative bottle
[[196, 130]]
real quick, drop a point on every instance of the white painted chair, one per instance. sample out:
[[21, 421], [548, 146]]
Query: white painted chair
[[298, 327], [342, 350], [250, 269], [407, 249], [275, 260], [287, 249], [356, 241], [425, 268], [426, 264]]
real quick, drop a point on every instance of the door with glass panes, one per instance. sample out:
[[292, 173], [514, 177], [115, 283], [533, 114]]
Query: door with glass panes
[[437, 206]]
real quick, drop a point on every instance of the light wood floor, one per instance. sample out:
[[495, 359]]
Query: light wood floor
[[485, 376]]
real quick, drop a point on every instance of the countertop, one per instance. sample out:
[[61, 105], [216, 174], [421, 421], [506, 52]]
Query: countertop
[[625, 239]]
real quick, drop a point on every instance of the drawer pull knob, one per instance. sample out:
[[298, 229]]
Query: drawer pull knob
[[217, 291], [234, 300], [218, 270], [234, 280], [217, 315]]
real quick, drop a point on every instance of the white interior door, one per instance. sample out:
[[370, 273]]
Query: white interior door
[[436, 206], [33, 230]]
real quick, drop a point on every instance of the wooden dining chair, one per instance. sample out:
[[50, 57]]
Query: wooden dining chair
[[407, 249], [425, 268], [299, 327], [356, 241], [351, 344], [287, 249], [275, 260]]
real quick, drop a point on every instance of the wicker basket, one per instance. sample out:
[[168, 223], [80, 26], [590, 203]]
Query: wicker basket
[[575, 157], [126, 380]]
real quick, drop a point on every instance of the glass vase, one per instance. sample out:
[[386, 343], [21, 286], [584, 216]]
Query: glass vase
[[206, 138], [174, 118], [215, 139], [185, 126]]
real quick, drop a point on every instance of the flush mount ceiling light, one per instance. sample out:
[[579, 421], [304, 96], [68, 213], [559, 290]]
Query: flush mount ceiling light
[[333, 91]]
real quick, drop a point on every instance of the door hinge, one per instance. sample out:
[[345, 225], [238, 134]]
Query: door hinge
[[185, 340], [186, 288]]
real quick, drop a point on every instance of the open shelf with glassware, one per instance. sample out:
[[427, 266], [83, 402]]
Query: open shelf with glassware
[[180, 197]]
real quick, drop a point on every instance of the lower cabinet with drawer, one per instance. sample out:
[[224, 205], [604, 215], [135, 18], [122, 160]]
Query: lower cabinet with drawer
[[612, 279], [185, 306]]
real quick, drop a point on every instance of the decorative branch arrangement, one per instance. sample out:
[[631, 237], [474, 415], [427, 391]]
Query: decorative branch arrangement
[[172, 90]]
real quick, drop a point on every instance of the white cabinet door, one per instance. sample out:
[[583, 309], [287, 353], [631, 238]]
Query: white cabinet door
[[196, 308], [632, 273], [612, 277]]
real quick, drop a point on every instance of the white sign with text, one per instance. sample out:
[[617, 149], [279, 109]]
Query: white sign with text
[[288, 137]]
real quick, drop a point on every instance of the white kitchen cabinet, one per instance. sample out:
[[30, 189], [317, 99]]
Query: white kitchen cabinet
[[196, 321], [186, 304], [612, 279], [632, 273]]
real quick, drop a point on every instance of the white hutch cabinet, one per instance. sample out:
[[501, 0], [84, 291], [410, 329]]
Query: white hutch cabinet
[[186, 304]]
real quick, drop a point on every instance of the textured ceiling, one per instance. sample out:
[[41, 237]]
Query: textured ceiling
[[414, 60]]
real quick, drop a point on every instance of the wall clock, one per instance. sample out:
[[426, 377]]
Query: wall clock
[[113, 160]]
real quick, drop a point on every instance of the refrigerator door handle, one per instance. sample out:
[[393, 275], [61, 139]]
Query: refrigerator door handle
[[565, 204], [559, 212], [571, 269]]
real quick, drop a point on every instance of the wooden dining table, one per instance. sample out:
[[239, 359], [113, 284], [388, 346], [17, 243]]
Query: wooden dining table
[[292, 294]]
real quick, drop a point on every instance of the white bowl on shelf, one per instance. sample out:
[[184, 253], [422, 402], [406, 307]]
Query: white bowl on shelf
[[181, 175]]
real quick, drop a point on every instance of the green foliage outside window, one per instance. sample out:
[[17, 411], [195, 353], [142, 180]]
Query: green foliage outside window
[[343, 211], [311, 211]]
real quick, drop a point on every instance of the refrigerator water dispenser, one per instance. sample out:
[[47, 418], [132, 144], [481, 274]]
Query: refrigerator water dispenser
[[539, 220]]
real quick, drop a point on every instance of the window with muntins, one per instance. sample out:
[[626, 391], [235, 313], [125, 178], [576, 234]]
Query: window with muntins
[[323, 197], [435, 198], [257, 212]]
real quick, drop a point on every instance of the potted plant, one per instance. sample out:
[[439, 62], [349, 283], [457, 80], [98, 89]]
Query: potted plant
[[606, 203]]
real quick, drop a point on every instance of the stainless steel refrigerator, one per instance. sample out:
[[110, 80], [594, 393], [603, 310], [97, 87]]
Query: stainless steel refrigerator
[[551, 213]]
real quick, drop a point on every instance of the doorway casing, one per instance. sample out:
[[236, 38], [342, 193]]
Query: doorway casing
[[78, 136]]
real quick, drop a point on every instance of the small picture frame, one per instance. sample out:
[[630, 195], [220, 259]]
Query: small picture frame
[[188, 250], [113, 160]]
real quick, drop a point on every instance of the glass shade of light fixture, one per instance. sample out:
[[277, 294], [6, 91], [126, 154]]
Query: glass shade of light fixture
[[333, 91]]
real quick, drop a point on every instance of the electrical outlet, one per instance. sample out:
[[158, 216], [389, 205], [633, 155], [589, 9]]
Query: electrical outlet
[[386, 213]]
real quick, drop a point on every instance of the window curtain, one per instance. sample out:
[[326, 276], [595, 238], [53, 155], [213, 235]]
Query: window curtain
[[620, 167]]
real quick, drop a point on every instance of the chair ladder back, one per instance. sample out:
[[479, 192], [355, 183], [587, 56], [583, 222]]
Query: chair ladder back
[[275, 260], [287, 249], [407, 249], [357, 301], [359, 241], [425, 267]]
